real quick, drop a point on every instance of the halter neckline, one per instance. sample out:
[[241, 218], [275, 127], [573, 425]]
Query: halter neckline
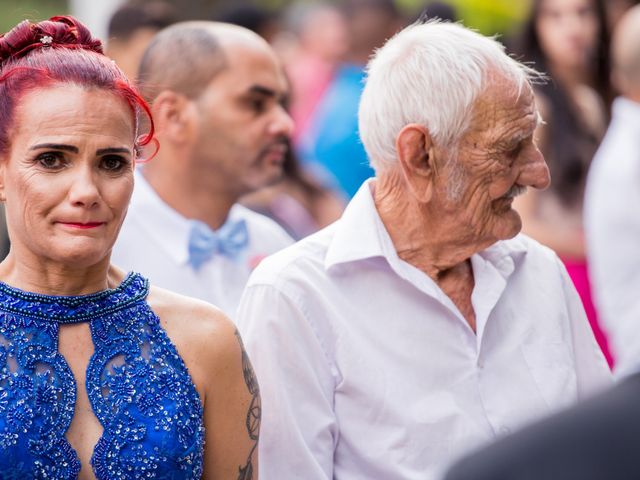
[[64, 309], [137, 384]]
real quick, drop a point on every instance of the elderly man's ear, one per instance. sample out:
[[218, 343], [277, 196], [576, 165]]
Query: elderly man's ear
[[173, 114], [415, 155]]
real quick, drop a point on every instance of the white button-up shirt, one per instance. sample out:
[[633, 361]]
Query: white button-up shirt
[[368, 370], [154, 241], [612, 226]]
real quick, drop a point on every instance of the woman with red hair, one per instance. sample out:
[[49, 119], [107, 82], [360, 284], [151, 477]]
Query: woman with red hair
[[101, 375]]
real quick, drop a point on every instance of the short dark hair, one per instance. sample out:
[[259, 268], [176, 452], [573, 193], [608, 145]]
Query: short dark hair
[[351, 7], [184, 58], [130, 18], [251, 17]]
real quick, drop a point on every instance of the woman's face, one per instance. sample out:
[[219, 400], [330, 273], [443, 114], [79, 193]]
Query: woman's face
[[568, 31], [68, 176]]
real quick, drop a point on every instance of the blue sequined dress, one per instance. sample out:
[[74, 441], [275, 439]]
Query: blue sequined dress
[[137, 384]]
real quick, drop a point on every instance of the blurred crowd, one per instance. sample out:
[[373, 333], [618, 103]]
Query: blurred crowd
[[259, 143], [325, 46]]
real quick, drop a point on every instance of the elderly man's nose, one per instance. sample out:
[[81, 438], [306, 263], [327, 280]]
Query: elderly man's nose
[[535, 173]]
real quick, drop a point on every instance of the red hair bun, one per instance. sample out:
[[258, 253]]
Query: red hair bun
[[61, 31]]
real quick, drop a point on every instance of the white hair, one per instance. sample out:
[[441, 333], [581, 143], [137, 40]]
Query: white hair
[[430, 74]]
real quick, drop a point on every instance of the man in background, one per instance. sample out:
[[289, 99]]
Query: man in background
[[330, 142], [217, 93], [131, 28]]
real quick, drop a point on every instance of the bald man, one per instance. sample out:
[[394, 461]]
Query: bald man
[[217, 94], [612, 220], [598, 439]]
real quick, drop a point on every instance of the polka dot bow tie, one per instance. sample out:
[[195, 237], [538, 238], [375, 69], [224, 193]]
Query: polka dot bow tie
[[229, 240]]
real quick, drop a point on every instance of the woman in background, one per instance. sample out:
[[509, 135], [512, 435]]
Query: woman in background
[[568, 40]]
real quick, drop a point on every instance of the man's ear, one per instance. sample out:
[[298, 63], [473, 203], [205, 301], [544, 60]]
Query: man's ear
[[415, 156], [173, 116]]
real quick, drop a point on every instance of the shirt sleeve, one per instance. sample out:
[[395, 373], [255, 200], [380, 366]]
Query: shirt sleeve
[[592, 371], [299, 429]]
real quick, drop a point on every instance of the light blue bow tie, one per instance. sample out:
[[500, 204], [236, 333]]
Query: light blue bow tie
[[229, 240]]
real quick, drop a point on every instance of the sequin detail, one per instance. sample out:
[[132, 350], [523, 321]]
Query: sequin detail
[[138, 386]]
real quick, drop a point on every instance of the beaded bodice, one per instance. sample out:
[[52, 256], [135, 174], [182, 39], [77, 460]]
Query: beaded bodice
[[138, 386]]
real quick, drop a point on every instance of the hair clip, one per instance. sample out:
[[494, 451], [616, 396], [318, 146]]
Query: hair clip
[[46, 40]]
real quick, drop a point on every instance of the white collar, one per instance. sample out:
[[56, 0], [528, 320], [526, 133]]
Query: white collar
[[170, 229], [360, 234]]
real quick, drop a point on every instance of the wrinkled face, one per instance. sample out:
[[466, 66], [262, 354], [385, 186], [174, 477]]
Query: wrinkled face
[[568, 31], [68, 175], [243, 128], [494, 161]]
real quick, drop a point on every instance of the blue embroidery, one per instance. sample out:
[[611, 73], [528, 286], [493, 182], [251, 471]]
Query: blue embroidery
[[138, 386]]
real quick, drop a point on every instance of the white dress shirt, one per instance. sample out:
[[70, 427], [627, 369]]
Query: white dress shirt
[[154, 241], [368, 370], [612, 227]]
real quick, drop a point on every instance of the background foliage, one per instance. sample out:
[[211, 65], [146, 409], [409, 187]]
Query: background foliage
[[13, 11], [488, 16]]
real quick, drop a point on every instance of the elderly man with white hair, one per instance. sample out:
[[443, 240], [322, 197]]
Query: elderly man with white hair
[[420, 324]]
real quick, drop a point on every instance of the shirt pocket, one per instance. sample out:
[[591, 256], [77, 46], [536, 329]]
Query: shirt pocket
[[553, 371]]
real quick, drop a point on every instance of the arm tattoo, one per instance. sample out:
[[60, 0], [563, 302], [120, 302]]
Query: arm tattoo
[[255, 411]]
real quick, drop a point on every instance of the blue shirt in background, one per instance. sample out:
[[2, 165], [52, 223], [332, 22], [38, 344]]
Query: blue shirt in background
[[332, 141]]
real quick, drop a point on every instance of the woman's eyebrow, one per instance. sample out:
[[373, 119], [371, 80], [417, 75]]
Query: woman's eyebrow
[[103, 151], [56, 146]]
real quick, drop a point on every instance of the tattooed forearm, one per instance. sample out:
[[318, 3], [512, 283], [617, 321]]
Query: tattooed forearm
[[253, 415]]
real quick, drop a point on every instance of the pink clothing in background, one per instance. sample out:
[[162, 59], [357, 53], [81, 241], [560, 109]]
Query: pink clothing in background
[[579, 274], [309, 76]]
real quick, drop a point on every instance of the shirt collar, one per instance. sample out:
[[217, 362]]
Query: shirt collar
[[360, 234], [169, 228]]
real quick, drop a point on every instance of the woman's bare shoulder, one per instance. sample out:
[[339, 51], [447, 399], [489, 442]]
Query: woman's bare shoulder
[[205, 337], [172, 304]]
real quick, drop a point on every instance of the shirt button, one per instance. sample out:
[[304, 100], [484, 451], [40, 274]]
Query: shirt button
[[504, 430]]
